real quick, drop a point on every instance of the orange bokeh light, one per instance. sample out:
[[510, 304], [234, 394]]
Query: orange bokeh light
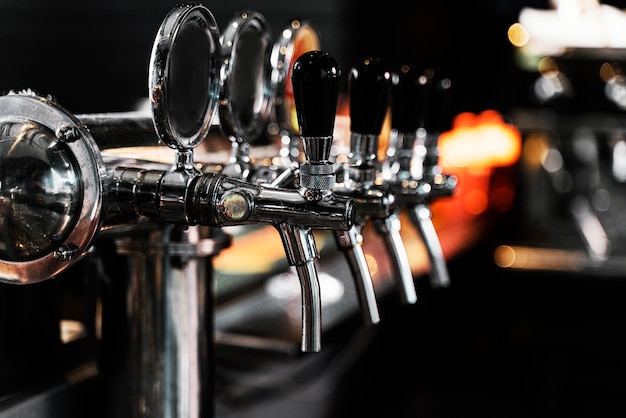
[[477, 145], [480, 140]]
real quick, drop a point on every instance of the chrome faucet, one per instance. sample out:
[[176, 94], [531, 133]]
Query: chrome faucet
[[184, 196], [411, 166], [369, 85], [246, 194]]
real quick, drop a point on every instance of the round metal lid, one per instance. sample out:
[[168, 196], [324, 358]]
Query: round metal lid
[[296, 37], [245, 98], [184, 79], [52, 183]]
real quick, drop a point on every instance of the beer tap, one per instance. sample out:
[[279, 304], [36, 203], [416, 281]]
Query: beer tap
[[411, 165], [54, 171], [228, 199], [220, 200], [256, 94], [315, 80], [244, 102], [369, 85]]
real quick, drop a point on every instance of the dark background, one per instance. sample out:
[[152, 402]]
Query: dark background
[[93, 55]]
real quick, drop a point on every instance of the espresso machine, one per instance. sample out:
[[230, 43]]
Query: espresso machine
[[120, 228]]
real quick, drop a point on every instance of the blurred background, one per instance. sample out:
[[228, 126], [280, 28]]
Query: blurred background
[[534, 322], [94, 55]]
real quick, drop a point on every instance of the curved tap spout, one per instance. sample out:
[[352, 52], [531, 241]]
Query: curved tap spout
[[302, 252], [389, 228]]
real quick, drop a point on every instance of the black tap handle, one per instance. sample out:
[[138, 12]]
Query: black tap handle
[[316, 78], [409, 95], [369, 83], [438, 116]]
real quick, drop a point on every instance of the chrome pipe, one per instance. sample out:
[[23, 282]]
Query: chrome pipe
[[121, 129], [302, 253], [351, 244], [389, 228], [169, 321], [421, 216]]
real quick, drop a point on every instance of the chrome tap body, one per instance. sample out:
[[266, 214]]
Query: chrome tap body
[[186, 197]]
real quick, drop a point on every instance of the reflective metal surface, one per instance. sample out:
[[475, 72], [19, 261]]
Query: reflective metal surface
[[316, 78], [185, 75], [52, 188], [40, 190], [245, 97], [169, 323], [296, 37], [411, 168]]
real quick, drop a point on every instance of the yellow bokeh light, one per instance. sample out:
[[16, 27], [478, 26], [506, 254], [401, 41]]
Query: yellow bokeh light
[[518, 35]]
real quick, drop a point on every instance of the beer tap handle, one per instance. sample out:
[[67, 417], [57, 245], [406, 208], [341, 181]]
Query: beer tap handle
[[436, 120], [370, 88], [296, 37], [369, 83], [248, 37], [414, 109], [316, 79], [406, 150]]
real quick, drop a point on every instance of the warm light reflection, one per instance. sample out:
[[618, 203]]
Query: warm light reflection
[[372, 264], [610, 73], [528, 258], [536, 149], [475, 201], [572, 24], [548, 67], [286, 286], [615, 83], [71, 330], [476, 145], [518, 35], [480, 140]]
